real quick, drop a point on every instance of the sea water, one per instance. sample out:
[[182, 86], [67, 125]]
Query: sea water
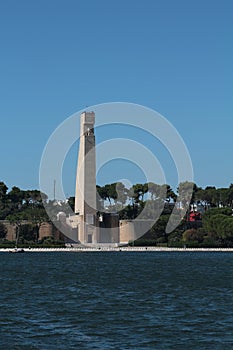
[[116, 300]]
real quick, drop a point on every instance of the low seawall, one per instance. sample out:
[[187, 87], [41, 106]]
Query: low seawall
[[119, 249]]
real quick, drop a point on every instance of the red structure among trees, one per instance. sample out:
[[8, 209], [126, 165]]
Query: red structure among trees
[[194, 216]]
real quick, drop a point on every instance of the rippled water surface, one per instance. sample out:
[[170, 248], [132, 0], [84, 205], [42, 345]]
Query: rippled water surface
[[116, 300]]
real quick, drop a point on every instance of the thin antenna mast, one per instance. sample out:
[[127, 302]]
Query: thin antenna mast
[[54, 190]]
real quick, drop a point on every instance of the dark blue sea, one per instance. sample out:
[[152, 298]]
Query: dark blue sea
[[116, 300]]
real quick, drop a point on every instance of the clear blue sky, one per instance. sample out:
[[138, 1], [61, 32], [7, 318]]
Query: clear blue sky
[[172, 56]]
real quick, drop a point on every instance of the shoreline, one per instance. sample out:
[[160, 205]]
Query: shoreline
[[118, 249]]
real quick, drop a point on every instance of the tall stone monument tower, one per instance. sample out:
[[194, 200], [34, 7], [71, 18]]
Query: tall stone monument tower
[[85, 194]]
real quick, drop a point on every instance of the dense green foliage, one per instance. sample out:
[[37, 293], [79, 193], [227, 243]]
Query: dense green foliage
[[25, 209], [217, 228], [3, 231]]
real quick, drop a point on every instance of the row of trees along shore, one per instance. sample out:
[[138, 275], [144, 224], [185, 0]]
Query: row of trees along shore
[[25, 209]]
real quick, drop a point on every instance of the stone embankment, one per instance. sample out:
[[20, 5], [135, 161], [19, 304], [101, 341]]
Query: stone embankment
[[121, 249]]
